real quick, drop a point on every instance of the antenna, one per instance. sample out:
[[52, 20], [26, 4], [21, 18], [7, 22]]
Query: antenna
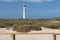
[[24, 10]]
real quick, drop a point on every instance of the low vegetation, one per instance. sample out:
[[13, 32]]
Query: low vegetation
[[26, 25]]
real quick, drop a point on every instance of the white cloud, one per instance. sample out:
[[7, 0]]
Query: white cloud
[[26, 0], [48, 0], [38, 0], [6, 0], [10, 0], [34, 0]]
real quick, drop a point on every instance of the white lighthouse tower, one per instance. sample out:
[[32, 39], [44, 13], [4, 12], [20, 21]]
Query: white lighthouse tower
[[24, 10]]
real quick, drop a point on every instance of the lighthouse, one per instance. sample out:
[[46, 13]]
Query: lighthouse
[[24, 10]]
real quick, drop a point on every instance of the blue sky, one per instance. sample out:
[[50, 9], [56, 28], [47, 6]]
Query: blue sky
[[35, 8]]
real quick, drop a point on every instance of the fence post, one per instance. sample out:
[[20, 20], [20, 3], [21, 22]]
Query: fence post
[[13, 36], [54, 36]]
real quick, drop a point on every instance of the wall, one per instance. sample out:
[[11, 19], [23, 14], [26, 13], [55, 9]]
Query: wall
[[5, 37], [29, 37], [34, 37]]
